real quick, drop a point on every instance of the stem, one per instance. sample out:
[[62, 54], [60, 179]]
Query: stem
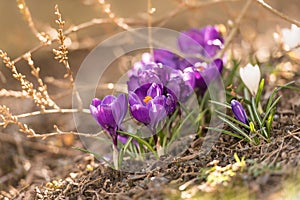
[[234, 30], [276, 12], [53, 111], [150, 13], [116, 157]]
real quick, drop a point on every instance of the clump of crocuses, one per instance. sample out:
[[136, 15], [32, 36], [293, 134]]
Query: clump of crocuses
[[159, 82]]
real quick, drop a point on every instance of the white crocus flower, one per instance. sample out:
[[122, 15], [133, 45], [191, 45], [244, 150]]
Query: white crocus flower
[[251, 77], [291, 37]]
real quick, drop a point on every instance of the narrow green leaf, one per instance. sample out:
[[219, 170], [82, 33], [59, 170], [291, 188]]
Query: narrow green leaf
[[233, 119], [270, 122], [259, 92], [248, 103], [270, 109], [94, 154], [226, 105], [256, 114], [225, 132], [141, 141], [236, 128]]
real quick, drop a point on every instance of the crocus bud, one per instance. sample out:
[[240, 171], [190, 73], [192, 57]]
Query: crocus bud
[[239, 111], [250, 75]]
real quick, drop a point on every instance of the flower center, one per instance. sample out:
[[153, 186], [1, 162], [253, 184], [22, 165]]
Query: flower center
[[147, 99]]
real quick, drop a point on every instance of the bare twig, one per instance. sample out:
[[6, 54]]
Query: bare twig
[[276, 12], [234, 30], [53, 111], [59, 132], [150, 12], [40, 99], [24, 10], [12, 93]]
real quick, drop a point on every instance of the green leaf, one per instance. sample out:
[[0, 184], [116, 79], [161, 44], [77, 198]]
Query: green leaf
[[271, 108], [248, 103], [233, 119], [270, 121], [94, 154], [141, 141], [259, 92], [226, 105], [123, 150], [225, 132], [245, 135]]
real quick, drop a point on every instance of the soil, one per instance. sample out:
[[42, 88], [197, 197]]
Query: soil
[[67, 174]]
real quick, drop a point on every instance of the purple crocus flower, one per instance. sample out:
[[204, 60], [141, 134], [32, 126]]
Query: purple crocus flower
[[206, 41], [177, 81], [109, 113], [151, 103], [204, 74], [239, 111]]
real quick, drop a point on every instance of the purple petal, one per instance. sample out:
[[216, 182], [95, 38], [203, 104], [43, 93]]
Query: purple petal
[[157, 112], [154, 90], [166, 58], [239, 111], [119, 109], [140, 113], [105, 117], [108, 100], [134, 99], [96, 102]]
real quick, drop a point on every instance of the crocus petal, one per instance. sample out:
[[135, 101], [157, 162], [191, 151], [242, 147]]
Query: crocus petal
[[166, 58], [105, 117], [108, 100], [96, 102], [239, 111], [94, 111], [291, 37], [156, 112], [191, 42], [250, 75], [154, 90], [119, 109], [133, 98], [140, 113]]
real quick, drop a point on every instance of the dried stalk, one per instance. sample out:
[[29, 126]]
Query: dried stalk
[[12, 93], [35, 71], [277, 13], [234, 30], [7, 118], [61, 54], [40, 98], [24, 10], [60, 132]]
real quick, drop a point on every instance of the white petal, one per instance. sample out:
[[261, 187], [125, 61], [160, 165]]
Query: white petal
[[291, 37], [250, 75]]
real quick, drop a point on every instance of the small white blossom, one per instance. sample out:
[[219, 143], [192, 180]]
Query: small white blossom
[[250, 75], [291, 37]]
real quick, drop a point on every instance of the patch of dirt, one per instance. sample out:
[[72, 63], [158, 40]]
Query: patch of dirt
[[67, 176]]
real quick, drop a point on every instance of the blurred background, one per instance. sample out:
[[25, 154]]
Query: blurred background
[[254, 39]]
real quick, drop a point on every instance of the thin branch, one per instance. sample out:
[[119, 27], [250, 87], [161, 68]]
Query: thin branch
[[59, 133], [150, 12], [53, 111], [276, 12], [234, 29]]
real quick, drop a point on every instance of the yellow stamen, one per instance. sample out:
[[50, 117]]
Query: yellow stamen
[[147, 99], [200, 68]]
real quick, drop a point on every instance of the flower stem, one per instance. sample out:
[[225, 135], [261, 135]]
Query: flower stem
[[116, 157]]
